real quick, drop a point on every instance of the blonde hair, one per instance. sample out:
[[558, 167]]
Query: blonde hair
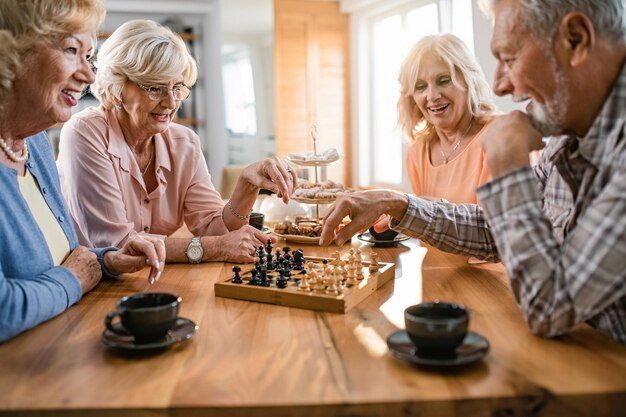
[[141, 51], [461, 63], [26, 25]]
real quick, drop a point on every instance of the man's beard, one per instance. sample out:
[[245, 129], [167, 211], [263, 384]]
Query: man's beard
[[549, 118]]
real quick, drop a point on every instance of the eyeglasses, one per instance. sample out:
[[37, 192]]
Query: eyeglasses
[[159, 92]]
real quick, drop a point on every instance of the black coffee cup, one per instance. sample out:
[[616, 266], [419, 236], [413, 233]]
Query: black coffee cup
[[146, 316], [383, 239], [436, 328], [256, 220]]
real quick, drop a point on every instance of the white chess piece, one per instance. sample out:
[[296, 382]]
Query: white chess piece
[[358, 265], [350, 280], [374, 265], [304, 282]]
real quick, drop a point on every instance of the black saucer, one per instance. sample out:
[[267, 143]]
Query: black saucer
[[367, 237], [473, 348], [183, 329]]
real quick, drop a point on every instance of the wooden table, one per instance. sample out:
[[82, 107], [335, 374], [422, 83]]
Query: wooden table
[[251, 359]]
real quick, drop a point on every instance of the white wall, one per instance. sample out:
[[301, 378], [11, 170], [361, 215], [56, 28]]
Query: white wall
[[482, 38], [204, 15]]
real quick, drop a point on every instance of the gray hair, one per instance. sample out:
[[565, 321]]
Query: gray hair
[[461, 63], [141, 51], [541, 17]]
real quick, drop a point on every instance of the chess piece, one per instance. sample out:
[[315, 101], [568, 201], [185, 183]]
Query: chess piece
[[254, 280], [350, 278], [237, 278], [374, 265], [318, 284], [358, 265], [304, 281], [331, 282], [325, 267], [298, 259]]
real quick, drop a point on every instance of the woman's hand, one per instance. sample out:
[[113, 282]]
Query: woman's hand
[[240, 245], [272, 174], [84, 265], [138, 251]]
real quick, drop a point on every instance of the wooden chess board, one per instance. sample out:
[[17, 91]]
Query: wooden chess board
[[293, 296]]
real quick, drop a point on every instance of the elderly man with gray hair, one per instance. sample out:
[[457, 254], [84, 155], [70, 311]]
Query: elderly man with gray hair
[[559, 227]]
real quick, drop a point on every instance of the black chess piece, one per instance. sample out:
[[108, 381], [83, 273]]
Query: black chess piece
[[268, 261], [286, 268], [262, 275], [281, 281], [237, 278], [298, 259], [254, 280], [268, 246]]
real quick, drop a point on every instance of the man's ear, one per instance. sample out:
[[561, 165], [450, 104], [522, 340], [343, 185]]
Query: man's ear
[[577, 36]]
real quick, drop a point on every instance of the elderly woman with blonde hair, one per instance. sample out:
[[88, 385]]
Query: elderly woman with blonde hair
[[45, 51], [127, 167], [445, 102]]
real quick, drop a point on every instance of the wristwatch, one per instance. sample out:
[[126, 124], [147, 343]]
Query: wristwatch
[[194, 251]]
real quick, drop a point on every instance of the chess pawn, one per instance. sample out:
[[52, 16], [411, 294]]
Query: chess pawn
[[237, 277], [342, 270], [331, 283], [374, 265], [304, 282]]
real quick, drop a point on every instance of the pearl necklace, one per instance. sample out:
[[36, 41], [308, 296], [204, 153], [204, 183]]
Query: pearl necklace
[[12, 155], [456, 145]]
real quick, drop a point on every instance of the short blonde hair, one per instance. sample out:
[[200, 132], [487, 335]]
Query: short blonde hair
[[461, 63], [26, 25], [141, 51]]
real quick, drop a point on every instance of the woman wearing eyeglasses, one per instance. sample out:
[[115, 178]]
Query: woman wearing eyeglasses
[[126, 167]]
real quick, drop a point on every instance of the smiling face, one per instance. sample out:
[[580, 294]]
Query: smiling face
[[527, 70], [443, 104], [142, 117], [55, 77]]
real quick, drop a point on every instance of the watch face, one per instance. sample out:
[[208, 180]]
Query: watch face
[[194, 252]]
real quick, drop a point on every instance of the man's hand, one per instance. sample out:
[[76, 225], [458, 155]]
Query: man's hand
[[507, 142], [364, 209]]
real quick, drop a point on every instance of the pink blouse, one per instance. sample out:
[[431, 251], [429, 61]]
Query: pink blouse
[[455, 181], [105, 191]]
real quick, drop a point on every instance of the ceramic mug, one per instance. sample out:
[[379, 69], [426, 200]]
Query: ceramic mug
[[256, 220], [436, 328], [146, 316]]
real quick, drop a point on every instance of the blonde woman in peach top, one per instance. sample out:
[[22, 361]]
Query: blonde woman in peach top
[[445, 103]]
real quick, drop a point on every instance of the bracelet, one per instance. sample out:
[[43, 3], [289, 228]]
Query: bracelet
[[234, 213]]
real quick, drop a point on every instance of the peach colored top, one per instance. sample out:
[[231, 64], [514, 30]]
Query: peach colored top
[[455, 181], [105, 191]]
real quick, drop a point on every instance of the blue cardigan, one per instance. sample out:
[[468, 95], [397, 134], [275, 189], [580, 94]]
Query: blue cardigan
[[32, 289]]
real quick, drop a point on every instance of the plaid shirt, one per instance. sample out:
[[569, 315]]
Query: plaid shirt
[[559, 228]]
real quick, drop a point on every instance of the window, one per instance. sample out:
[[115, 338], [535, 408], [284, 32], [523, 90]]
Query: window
[[239, 100], [385, 36]]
